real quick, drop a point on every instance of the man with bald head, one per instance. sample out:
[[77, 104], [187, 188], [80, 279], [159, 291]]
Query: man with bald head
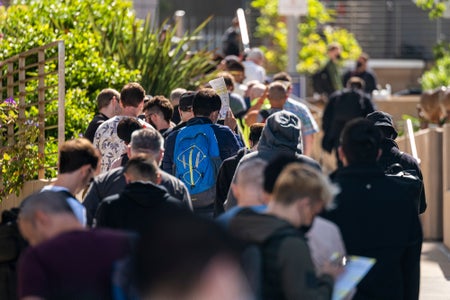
[[65, 260]]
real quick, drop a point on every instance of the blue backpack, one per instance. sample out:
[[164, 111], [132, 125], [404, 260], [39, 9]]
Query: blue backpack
[[197, 161]]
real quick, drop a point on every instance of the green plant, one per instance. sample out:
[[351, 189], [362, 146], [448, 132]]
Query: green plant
[[164, 60], [435, 8], [20, 161], [314, 36], [401, 125]]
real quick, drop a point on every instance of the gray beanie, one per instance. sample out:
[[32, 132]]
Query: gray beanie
[[282, 133]]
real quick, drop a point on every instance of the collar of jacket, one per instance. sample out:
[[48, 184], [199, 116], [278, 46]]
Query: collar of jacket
[[358, 170], [199, 120]]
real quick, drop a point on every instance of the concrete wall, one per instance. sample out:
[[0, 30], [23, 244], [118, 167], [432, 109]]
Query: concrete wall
[[446, 184], [29, 188], [430, 151]]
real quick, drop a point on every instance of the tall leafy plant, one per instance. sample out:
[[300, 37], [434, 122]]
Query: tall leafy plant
[[164, 60]]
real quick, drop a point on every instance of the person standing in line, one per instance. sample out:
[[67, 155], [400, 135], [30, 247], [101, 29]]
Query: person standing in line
[[106, 140]]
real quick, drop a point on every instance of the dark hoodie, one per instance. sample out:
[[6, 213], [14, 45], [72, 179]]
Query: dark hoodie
[[288, 269], [280, 135], [137, 207]]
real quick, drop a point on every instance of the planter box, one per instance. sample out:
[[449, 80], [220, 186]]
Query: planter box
[[28, 188], [430, 152]]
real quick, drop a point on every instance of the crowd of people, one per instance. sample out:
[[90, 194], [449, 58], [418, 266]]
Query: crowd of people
[[164, 199]]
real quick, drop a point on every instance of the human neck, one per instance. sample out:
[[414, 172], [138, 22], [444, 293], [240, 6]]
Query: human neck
[[285, 212], [68, 180], [130, 111]]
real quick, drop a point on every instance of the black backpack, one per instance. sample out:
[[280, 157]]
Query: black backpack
[[410, 181], [11, 245]]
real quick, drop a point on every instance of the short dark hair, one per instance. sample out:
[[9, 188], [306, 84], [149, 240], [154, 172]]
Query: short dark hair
[[205, 102], [126, 127], [255, 132], [142, 168], [160, 104], [132, 94], [76, 153], [234, 65], [227, 77], [282, 76], [360, 141], [105, 97]]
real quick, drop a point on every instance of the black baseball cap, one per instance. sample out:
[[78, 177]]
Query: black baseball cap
[[186, 100]]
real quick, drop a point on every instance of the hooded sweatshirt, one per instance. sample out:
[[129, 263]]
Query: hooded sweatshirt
[[281, 135], [140, 204], [288, 270]]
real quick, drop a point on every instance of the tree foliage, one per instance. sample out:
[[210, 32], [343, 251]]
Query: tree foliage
[[435, 8], [106, 46], [315, 34]]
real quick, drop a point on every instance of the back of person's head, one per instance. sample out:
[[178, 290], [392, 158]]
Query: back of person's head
[[274, 168], [281, 133], [298, 181], [76, 153], [161, 271], [37, 212], [356, 83], [360, 141], [256, 90], [384, 122], [255, 54], [147, 141], [255, 132], [141, 168], [228, 78], [132, 94], [236, 69], [186, 100], [232, 65], [248, 187], [159, 105], [334, 46], [49, 202], [105, 97], [126, 127], [205, 102], [277, 91], [175, 95], [283, 77]]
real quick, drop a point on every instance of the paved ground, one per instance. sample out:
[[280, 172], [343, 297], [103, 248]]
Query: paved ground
[[435, 272]]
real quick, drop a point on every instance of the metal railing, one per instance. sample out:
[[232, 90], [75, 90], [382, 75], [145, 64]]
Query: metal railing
[[35, 79]]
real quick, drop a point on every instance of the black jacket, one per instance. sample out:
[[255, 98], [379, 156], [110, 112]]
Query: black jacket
[[378, 219], [113, 182], [342, 107], [140, 204]]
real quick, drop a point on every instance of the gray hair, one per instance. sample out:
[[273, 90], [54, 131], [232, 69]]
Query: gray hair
[[50, 202], [176, 94], [255, 53], [147, 141], [250, 173]]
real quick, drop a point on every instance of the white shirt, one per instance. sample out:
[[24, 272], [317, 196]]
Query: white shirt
[[254, 72]]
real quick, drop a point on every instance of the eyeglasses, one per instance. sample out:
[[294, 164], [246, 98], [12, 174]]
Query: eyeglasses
[[149, 116]]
